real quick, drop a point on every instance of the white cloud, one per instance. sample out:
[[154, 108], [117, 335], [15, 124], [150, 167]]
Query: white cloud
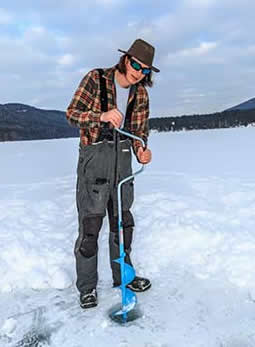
[[35, 35], [66, 59], [63, 42], [251, 50], [200, 3], [107, 2], [203, 49], [38, 30], [83, 71], [5, 17]]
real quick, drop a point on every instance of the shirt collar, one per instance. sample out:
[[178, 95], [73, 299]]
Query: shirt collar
[[109, 73]]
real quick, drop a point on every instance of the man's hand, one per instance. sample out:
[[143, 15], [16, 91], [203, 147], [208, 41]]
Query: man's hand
[[144, 156], [114, 117]]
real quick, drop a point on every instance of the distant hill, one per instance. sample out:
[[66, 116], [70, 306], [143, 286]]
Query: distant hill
[[247, 105], [23, 122]]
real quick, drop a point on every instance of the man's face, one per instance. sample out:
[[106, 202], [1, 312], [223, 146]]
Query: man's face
[[133, 76]]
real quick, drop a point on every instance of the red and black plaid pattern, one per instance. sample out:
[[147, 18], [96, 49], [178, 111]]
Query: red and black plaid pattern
[[84, 110]]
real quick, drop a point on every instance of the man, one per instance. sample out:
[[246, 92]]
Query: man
[[105, 159]]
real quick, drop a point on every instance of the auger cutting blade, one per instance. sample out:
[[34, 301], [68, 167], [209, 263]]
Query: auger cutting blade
[[127, 312], [129, 272], [130, 300]]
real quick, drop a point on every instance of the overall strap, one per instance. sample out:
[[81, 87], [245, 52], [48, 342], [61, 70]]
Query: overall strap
[[130, 109], [105, 131], [103, 93]]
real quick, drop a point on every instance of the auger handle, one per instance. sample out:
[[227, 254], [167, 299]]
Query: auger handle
[[119, 189], [142, 167], [131, 135]]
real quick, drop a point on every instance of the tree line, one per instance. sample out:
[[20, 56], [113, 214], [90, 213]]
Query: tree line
[[23, 122], [225, 119]]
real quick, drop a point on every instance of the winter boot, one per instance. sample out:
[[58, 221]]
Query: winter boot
[[88, 298], [139, 284]]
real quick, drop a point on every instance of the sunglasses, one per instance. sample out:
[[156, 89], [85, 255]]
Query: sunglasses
[[137, 66]]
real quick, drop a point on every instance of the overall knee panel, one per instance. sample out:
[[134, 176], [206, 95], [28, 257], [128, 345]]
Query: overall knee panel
[[91, 228]]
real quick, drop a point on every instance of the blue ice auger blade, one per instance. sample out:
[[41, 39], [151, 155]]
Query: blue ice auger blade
[[130, 300], [130, 303], [129, 271], [129, 274]]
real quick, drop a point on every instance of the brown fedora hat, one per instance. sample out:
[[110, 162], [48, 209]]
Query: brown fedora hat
[[143, 51]]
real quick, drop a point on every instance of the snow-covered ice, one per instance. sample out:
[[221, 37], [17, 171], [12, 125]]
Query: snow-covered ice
[[194, 238]]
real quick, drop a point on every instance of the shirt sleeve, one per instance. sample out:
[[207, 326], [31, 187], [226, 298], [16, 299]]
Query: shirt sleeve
[[80, 112], [142, 113]]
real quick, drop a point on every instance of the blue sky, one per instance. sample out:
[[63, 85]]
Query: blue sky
[[205, 50]]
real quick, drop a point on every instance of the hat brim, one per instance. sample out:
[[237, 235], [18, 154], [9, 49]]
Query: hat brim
[[152, 67]]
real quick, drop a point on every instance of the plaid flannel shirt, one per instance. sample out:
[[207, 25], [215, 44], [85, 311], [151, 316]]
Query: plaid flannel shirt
[[84, 110]]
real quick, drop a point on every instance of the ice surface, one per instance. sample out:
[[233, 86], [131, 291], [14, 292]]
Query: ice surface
[[194, 238]]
